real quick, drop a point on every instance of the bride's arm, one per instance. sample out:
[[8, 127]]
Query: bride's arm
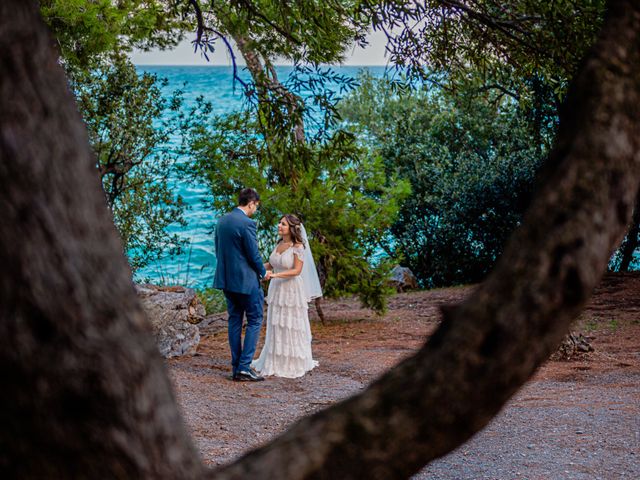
[[294, 272], [267, 266]]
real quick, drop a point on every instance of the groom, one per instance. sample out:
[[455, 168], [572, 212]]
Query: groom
[[238, 272]]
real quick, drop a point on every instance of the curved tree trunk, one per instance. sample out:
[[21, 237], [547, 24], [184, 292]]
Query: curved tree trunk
[[86, 393], [487, 347]]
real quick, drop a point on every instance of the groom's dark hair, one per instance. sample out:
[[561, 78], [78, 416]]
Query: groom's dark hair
[[248, 195]]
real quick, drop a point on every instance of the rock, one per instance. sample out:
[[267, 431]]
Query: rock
[[402, 278], [213, 324], [572, 344], [173, 313]]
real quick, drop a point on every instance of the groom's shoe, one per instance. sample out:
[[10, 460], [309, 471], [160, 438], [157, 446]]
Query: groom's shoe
[[248, 376]]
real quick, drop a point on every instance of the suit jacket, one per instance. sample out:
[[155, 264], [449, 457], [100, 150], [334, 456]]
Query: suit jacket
[[239, 265]]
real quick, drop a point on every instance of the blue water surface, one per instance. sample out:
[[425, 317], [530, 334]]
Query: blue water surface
[[196, 265]]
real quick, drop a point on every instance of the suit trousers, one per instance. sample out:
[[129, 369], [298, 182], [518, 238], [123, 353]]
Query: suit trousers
[[239, 305]]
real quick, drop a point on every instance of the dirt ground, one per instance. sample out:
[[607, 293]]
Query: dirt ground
[[577, 419]]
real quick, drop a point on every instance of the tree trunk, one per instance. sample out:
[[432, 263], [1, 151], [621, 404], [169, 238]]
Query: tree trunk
[[86, 392], [87, 395], [630, 243], [266, 81], [320, 311]]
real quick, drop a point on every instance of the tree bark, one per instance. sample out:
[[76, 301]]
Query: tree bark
[[86, 392], [320, 311]]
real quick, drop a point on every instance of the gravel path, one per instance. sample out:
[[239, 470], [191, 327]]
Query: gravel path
[[573, 420], [556, 430]]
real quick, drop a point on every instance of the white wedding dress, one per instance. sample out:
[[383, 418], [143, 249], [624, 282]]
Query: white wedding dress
[[287, 345]]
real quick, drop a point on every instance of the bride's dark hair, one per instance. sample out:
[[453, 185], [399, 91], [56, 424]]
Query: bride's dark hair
[[295, 229]]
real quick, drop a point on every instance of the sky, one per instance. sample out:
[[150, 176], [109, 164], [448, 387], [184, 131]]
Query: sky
[[373, 54]]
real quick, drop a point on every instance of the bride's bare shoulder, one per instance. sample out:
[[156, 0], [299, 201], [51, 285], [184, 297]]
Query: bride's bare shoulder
[[298, 245]]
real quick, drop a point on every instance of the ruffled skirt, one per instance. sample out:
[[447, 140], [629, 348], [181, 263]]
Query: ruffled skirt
[[287, 345]]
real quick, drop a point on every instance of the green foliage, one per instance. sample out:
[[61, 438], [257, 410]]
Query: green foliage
[[346, 200], [508, 41], [471, 161], [128, 121], [213, 300], [86, 29], [130, 125], [305, 31], [468, 150]]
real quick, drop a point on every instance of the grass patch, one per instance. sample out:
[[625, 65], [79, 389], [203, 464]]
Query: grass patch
[[213, 300], [590, 325]]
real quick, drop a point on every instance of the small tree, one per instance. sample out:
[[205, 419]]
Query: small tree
[[345, 198], [128, 120]]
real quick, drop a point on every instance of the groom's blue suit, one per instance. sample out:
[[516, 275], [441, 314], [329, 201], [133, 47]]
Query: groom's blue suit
[[238, 272]]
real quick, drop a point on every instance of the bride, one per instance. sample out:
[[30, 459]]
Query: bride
[[294, 283]]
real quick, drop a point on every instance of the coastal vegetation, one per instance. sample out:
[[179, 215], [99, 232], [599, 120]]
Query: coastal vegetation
[[470, 158], [128, 119], [432, 169], [130, 124]]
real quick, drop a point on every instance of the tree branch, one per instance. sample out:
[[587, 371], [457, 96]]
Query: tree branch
[[201, 28], [503, 89], [250, 7], [488, 346], [496, 24], [85, 378]]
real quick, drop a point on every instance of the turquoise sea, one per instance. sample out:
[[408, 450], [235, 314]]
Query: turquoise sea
[[195, 267]]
